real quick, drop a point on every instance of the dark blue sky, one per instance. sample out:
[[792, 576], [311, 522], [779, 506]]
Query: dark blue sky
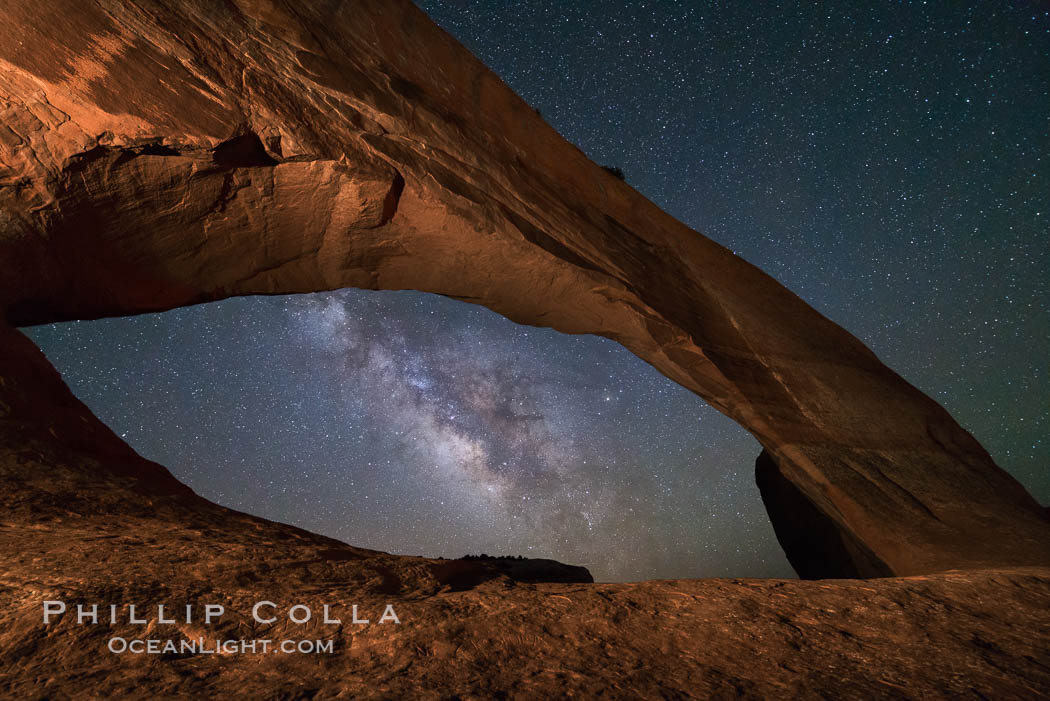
[[887, 163]]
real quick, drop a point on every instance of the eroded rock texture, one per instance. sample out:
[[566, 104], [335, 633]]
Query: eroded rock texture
[[156, 154]]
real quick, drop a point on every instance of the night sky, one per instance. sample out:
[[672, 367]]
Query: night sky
[[887, 163]]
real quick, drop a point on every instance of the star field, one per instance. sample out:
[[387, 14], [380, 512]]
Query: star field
[[886, 163], [422, 425]]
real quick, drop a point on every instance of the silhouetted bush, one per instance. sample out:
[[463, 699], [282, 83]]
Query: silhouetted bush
[[614, 171]]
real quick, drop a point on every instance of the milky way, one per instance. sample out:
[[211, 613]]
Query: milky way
[[421, 425], [885, 162]]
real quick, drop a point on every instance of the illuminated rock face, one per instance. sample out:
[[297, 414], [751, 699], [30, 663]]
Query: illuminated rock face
[[157, 154]]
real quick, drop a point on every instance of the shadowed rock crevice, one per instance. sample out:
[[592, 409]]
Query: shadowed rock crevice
[[815, 545], [244, 151], [392, 199]]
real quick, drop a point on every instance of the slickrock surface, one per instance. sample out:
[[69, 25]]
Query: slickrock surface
[[156, 154], [955, 635]]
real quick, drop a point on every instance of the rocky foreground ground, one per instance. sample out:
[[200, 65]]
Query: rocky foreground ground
[[469, 631]]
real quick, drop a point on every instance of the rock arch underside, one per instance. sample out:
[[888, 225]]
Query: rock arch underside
[[159, 154]]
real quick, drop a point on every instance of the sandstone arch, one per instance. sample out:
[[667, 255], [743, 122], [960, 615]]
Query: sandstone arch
[[156, 155]]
